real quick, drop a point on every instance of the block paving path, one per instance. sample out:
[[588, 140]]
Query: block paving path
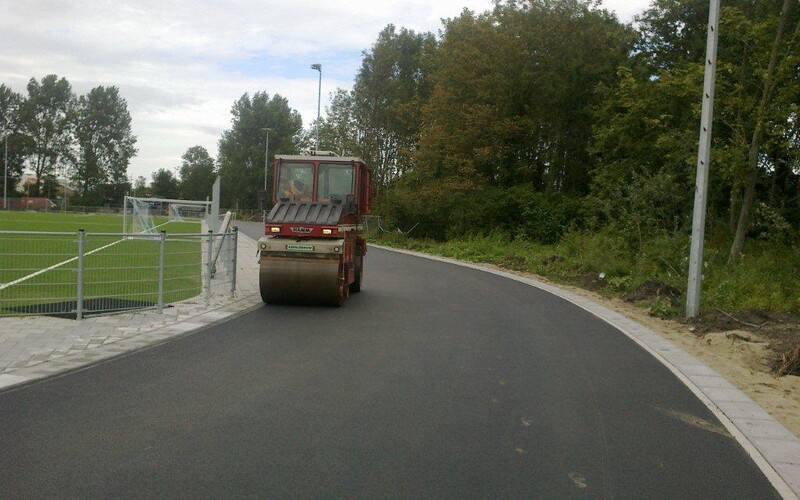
[[39, 346]]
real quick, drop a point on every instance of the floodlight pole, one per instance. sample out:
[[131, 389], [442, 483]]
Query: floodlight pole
[[266, 170], [5, 164], [266, 158], [318, 67], [694, 285], [64, 190]]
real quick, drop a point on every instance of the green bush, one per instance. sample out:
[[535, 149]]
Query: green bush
[[643, 205], [765, 280], [768, 224], [546, 217], [520, 211]]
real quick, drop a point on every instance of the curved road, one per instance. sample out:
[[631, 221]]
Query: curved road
[[436, 381]]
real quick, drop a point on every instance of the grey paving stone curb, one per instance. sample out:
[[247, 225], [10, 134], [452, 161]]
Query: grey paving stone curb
[[33, 348], [772, 447], [124, 346]]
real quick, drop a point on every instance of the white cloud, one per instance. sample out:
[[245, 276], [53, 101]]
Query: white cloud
[[181, 64], [626, 9]]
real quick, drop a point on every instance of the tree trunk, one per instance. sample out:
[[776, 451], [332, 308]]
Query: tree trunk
[[755, 143], [735, 206]]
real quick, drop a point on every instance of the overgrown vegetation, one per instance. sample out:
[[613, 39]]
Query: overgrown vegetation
[[547, 136], [652, 272]]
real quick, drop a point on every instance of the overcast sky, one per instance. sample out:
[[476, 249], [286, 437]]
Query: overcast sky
[[181, 64]]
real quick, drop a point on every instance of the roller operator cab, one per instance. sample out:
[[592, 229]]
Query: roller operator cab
[[313, 248]]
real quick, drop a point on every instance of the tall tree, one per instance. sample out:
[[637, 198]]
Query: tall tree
[[381, 118], [140, 188], [646, 126], [754, 151], [197, 174], [513, 91], [47, 117], [165, 184], [672, 33], [242, 149], [390, 89], [644, 147], [11, 138], [105, 145], [340, 130]]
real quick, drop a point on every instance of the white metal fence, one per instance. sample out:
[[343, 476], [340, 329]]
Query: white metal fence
[[76, 274]]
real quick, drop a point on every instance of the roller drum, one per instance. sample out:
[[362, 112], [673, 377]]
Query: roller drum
[[301, 280]]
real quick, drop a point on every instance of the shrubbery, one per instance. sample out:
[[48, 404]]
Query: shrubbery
[[765, 279], [519, 212]]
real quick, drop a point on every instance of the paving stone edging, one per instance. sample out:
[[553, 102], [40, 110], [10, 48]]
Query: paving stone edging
[[38, 347], [146, 336]]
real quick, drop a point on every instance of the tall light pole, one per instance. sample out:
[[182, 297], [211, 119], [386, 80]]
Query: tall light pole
[[5, 164], [318, 67], [266, 171], [703, 154], [266, 157]]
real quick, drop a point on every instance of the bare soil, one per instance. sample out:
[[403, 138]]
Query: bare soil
[[651, 290]]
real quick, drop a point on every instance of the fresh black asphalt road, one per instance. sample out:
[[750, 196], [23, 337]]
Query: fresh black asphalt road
[[436, 381]]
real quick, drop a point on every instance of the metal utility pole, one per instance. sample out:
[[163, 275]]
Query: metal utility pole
[[5, 164], [266, 157], [704, 152], [266, 172], [318, 67], [64, 189]]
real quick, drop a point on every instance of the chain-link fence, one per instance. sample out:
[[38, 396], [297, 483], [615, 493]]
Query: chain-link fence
[[372, 226], [73, 275]]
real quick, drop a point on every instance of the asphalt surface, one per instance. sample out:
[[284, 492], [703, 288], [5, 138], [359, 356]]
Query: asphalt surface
[[436, 381]]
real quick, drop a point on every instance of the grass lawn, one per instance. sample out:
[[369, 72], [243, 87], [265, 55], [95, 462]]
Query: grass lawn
[[117, 272]]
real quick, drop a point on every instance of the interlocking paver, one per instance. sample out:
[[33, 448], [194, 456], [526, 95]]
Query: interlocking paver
[[60, 343]]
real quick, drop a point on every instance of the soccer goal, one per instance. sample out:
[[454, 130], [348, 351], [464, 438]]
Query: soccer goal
[[187, 212], [137, 214]]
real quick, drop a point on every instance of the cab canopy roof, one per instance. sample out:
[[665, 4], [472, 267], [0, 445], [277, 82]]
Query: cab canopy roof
[[320, 157]]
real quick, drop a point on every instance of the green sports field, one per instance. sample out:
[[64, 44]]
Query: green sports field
[[39, 272]]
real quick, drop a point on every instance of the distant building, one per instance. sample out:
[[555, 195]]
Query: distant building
[[30, 203], [28, 179]]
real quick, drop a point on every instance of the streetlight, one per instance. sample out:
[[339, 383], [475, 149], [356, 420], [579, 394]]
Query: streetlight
[[266, 157], [5, 164], [266, 170], [318, 67]]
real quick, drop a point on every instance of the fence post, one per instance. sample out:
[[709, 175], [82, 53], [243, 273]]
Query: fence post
[[162, 260], [79, 297], [209, 263], [125, 216], [235, 244]]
